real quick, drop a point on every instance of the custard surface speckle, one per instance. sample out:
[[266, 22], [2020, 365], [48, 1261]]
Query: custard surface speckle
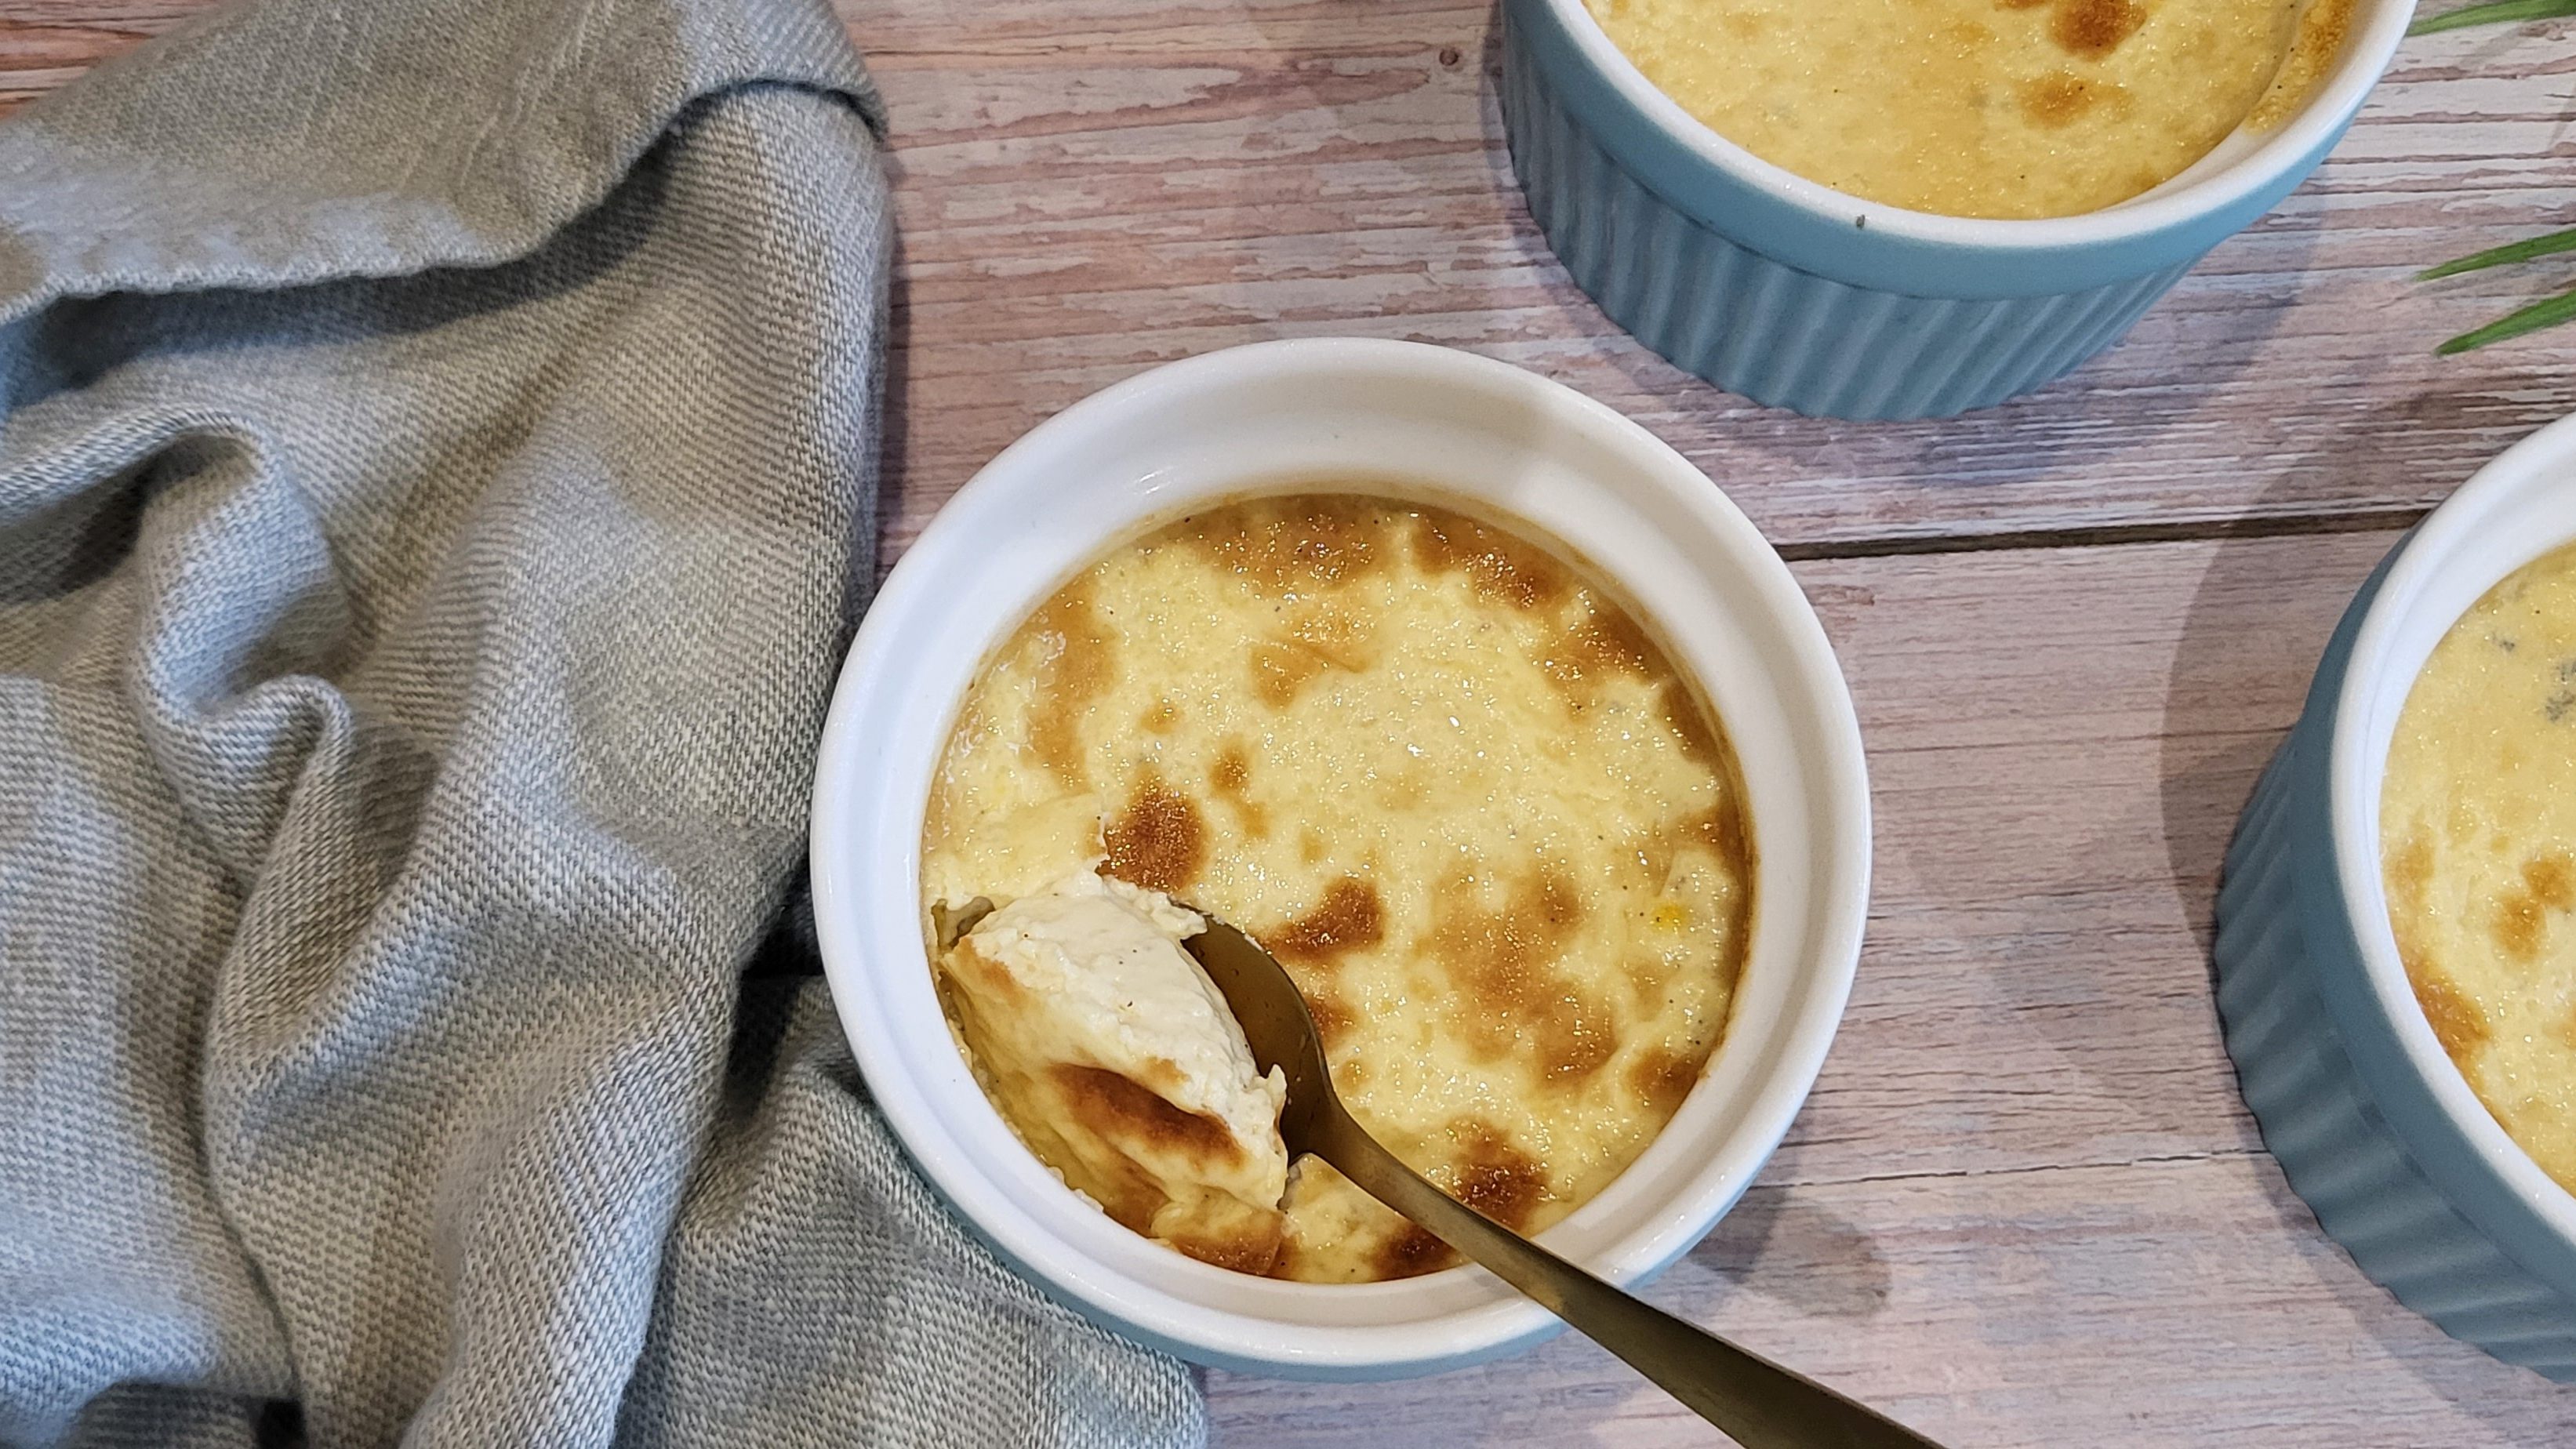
[[1456, 789]]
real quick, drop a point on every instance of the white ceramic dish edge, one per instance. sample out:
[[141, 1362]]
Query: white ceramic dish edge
[[1459, 427]]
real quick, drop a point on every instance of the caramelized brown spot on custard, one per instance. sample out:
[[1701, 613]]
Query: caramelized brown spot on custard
[[1292, 545], [2321, 32], [1412, 1253], [2522, 918], [1286, 1263], [965, 960], [1720, 828], [1574, 1037], [1499, 566], [2551, 880], [2410, 871], [1689, 724], [1254, 1253], [1158, 841], [1663, 1078], [1333, 1016], [1502, 962], [1231, 778], [2093, 29], [2456, 1019], [1615, 641], [2056, 100], [1111, 1102], [1232, 770], [2313, 47], [1349, 918], [1076, 672], [1649, 977], [1604, 643], [1501, 955], [1494, 1177], [1281, 668], [2519, 923]]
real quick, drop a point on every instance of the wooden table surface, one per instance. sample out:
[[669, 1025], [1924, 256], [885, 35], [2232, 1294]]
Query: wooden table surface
[[2024, 1205]]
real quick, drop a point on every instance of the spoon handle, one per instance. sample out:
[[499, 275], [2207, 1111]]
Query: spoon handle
[[1755, 1401]]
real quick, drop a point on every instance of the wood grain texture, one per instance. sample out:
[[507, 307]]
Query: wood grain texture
[[1091, 188], [45, 43], [2024, 1206]]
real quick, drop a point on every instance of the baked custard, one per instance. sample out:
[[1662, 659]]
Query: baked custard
[[1121, 1065], [1445, 778], [2477, 823], [1982, 108]]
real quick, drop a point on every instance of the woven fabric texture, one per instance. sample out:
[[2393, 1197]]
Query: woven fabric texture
[[437, 481]]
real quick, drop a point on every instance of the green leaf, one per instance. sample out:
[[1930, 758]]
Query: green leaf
[[2533, 318], [2538, 315], [2494, 12], [2521, 251]]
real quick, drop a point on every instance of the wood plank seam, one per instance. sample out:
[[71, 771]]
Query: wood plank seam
[[2189, 530]]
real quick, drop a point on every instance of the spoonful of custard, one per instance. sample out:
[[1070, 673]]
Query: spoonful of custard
[[1756, 1402], [1166, 1065]]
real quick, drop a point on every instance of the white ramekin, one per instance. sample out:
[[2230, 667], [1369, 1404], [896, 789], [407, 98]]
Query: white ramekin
[[2372, 1123], [1798, 295], [1399, 417]]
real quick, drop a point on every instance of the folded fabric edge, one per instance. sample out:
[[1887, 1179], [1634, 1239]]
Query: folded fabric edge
[[209, 158]]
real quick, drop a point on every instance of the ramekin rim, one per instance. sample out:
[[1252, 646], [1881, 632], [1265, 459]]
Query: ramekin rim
[[1806, 1034]]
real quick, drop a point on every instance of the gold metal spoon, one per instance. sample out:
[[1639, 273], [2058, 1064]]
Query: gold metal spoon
[[1757, 1402]]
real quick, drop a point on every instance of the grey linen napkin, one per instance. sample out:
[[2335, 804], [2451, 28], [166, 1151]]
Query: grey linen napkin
[[436, 482]]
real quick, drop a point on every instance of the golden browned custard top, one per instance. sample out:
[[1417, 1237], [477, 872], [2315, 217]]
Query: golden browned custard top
[[1453, 785], [1983, 108]]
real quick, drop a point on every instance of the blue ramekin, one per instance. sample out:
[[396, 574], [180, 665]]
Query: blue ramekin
[[1805, 297], [2372, 1123]]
